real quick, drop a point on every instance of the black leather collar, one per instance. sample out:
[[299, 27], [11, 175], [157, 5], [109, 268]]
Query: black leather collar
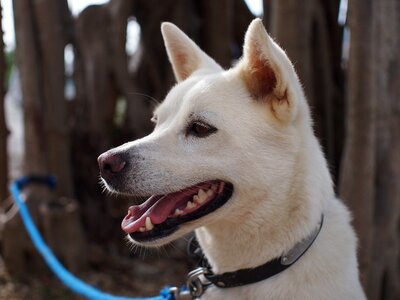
[[262, 272]]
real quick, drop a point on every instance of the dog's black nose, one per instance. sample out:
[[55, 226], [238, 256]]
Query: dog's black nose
[[110, 164]]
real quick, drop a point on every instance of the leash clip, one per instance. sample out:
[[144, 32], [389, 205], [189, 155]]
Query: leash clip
[[180, 294], [197, 282], [195, 285]]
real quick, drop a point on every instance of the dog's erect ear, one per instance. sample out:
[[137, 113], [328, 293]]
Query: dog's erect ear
[[266, 71], [185, 56]]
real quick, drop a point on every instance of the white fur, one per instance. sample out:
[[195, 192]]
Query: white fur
[[265, 147]]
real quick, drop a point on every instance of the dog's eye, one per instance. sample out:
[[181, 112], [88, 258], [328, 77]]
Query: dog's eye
[[200, 129]]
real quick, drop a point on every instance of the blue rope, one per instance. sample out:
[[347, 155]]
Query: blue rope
[[68, 279]]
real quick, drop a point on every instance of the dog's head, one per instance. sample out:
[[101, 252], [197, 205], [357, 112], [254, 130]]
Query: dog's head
[[223, 142]]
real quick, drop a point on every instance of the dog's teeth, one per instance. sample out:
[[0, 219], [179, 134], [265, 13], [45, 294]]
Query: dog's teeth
[[149, 225], [199, 200], [190, 205], [214, 187], [210, 192], [178, 212], [142, 229], [196, 199], [131, 211], [202, 195]]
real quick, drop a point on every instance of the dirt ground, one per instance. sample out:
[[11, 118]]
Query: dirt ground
[[143, 274]]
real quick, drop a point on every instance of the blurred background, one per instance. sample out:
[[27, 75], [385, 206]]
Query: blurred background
[[81, 76]]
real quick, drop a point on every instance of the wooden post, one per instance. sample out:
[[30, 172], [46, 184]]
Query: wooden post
[[3, 128], [64, 233], [18, 252], [51, 36], [371, 166], [383, 280], [40, 42]]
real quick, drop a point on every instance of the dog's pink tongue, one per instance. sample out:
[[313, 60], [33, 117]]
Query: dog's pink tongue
[[158, 208]]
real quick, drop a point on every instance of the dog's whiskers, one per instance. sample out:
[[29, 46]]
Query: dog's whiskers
[[155, 102]]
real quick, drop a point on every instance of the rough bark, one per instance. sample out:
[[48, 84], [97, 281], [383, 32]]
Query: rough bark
[[359, 154], [40, 43], [370, 174], [18, 253], [63, 232], [3, 128], [52, 41], [27, 59], [384, 278], [100, 92]]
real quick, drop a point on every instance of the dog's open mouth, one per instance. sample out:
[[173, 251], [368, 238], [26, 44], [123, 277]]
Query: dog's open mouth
[[161, 215]]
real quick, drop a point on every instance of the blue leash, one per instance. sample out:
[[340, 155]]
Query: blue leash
[[75, 284]]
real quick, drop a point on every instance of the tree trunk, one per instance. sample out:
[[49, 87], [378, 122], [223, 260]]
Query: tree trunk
[[371, 172], [28, 61], [18, 252], [358, 166], [52, 40], [384, 277], [64, 234], [3, 128], [40, 40]]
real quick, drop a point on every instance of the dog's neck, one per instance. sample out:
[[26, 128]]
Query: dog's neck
[[252, 238]]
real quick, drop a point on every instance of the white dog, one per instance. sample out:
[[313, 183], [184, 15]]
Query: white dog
[[233, 157]]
